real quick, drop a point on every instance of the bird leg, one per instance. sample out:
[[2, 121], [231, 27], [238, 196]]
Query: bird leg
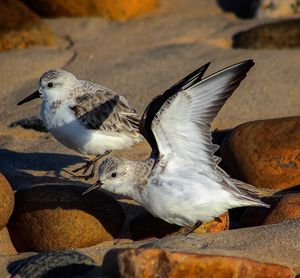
[[193, 228], [87, 165]]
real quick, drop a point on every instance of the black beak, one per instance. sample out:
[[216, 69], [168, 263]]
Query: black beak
[[34, 95], [96, 185]]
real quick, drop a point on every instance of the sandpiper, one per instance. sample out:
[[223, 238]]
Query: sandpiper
[[86, 117], [181, 182]]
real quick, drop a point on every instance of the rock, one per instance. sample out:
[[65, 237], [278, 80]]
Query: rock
[[53, 264], [147, 226], [6, 246], [284, 208], [264, 153], [21, 28], [57, 217], [278, 8], [162, 263], [7, 201], [275, 35], [215, 226], [119, 9], [273, 244]]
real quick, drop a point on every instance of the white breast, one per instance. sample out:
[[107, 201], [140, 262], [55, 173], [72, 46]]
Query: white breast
[[69, 131]]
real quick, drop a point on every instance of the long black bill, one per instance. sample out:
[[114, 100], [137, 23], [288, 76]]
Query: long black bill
[[34, 95], [96, 185]]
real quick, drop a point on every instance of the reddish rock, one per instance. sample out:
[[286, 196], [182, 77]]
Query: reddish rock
[[118, 9], [6, 246], [264, 153], [21, 28], [7, 201], [57, 217], [287, 208], [147, 226], [161, 263], [215, 226]]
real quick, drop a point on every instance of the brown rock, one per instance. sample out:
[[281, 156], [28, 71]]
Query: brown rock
[[286, 207], [6, 246], [264, 153], [162, 263], [118, 9], [274, 35], [7, 201], [215, 226], [147, 226], [21, 28], [58, 217]]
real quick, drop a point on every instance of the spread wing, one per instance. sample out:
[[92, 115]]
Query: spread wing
[[181, 124], [157, 102], [106, 111]]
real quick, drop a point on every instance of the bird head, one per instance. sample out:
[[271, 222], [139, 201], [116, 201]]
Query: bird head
[[116, 175], [53, 84]]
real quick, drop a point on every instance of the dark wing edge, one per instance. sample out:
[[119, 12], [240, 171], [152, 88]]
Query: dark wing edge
[[157, 102]]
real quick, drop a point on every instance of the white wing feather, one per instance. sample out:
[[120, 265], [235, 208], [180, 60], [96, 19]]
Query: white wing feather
[[182, 127]]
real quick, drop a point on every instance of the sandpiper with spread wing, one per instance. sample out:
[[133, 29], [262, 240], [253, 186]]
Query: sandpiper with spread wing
[[181, 182], [86, 117]]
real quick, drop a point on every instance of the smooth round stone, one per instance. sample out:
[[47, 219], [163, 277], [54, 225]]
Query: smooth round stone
[[287, 208], [6, 246], [21, 27], [264, 153], [58, 217], [53, 264], [117, 9], [7, 201], [158, 262]]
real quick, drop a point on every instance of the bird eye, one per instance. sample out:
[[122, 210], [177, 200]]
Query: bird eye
[[50, 85], [114, 174]]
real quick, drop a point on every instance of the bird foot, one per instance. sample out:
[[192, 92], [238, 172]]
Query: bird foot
[[86, 177], [86, 167]]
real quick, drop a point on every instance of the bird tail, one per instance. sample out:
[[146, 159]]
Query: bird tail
[[251, 193]]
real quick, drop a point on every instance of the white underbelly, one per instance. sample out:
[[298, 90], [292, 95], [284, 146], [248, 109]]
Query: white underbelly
[[71, 133], [86, 141], [185, 202]]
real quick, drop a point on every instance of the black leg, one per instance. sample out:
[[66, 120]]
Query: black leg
[[193, 228], [91, 163], [86, 166]]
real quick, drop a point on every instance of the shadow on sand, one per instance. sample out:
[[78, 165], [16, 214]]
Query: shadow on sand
[[17, 167]]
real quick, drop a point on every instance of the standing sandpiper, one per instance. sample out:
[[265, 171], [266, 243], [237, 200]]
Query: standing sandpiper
[[181, 182], [86, 117]]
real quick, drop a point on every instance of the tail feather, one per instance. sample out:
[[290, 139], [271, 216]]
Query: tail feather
[[252, 193]]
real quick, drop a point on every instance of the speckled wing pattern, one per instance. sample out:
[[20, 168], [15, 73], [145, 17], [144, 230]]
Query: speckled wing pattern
[[106, 111]]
